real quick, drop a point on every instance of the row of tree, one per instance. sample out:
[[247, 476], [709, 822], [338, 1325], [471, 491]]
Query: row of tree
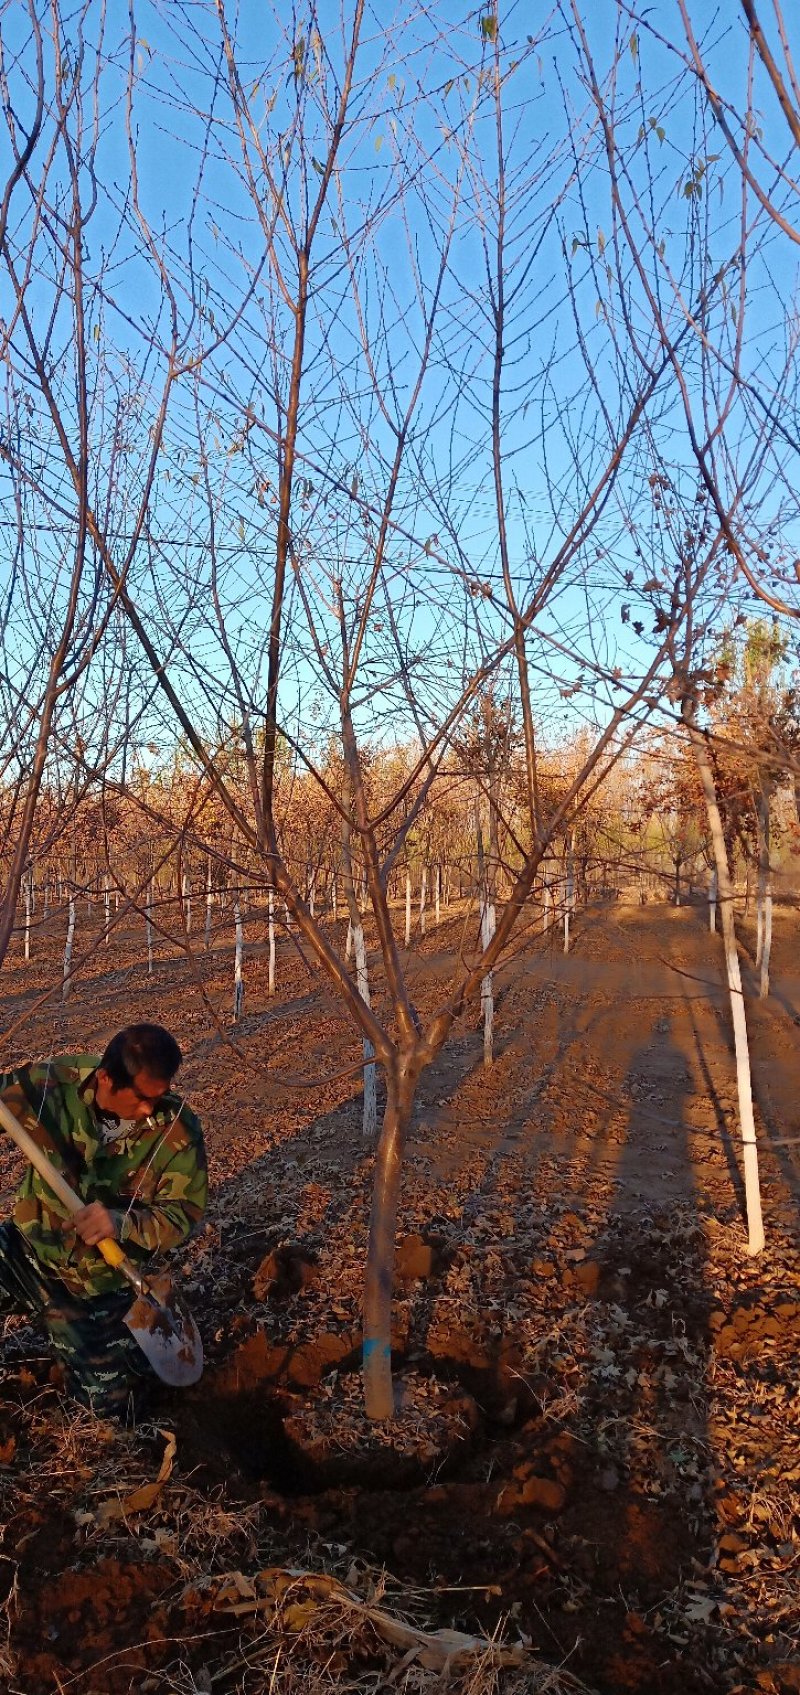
[[471, 828]]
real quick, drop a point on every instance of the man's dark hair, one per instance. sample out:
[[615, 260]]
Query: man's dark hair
[[141, 1047]]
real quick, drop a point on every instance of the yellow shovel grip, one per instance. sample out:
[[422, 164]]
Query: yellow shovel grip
[[111, 1251]]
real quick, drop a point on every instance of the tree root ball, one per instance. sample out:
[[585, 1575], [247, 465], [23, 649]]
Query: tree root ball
[[430, 1435]]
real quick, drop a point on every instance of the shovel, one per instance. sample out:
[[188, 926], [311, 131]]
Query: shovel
[[158, 1321]]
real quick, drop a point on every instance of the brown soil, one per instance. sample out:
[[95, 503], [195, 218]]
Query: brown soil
[[594, 1442]]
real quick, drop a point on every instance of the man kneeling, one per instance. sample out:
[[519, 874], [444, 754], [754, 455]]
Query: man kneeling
[[133, 1150]]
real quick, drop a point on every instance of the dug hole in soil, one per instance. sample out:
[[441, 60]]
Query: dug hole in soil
[[475, 1490]]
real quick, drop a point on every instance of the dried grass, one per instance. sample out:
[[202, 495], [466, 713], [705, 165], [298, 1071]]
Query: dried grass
[[308, 1630]]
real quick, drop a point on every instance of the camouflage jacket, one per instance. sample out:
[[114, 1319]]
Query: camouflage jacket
[[153, 1180]]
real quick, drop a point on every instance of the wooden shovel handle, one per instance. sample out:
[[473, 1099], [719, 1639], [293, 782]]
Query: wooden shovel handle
[[111, 1251], [39, 1160]]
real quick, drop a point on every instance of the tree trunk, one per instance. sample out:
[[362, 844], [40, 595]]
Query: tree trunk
[[438, 890], [488, 926], [547, 905], [400, 1086], [486, 868], [423, 896], [28, 910], [238, 975], [355, 938], [755, 1224], [148, 908], [764, 923], [712, 902], [67, 984], [271, 934], [763, 987], [209, 904], [569, 892], [408, 909], [370, 1078]]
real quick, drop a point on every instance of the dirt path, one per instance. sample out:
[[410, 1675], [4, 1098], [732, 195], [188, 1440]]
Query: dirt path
[[615, 1064]]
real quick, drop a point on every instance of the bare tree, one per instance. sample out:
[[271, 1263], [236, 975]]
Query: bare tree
[[398, 435], [755, 1224]]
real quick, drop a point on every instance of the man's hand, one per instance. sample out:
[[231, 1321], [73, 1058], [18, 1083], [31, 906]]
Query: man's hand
[[94, 1223]]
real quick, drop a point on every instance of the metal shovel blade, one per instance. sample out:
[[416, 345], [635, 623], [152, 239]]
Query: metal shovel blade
[[166, 1332]]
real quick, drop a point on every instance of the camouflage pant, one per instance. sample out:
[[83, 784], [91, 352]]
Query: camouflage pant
[[104, 1367]]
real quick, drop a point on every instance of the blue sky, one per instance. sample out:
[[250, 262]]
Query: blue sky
[[421, 140]]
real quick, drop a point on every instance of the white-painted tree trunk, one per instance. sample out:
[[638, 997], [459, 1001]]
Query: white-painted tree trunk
[[312, 894], [238, 974], [488, 926], [547, 907], [271, 935], [186, 895], [107, 910], [755, 1223], [423, 896], [438, 891], [148, 908], [370, 1077], [348, 946], [67, 981], [712, 902], [759, 918], [408, 909], [334, 900]]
